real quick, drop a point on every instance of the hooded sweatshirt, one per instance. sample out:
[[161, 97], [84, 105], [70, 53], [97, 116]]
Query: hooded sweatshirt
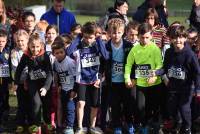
[[182, 69]]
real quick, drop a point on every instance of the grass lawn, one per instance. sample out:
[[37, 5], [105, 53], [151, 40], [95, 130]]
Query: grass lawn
[[83, 18]]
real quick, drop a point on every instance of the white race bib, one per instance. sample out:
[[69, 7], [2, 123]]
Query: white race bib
[[4, 71], [118, 68], [176, 73], [37, 74], [64, 78], [143, 71], [90, 61]]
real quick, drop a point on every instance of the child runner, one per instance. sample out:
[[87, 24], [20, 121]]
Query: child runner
[[132, 32], [39, 80], [86, 50], [51, 34], [118, 50], [5, 78], [182, 70], [65, 69], [23, 100], [147, 58]]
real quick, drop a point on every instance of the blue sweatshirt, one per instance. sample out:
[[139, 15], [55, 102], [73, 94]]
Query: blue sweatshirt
[[87, 59], [66, 19], [182, 69]]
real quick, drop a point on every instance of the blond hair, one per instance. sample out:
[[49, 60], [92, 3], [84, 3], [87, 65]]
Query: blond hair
[[115, 23], [42, 25]]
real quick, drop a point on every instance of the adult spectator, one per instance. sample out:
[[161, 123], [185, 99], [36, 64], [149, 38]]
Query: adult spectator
[[118, 11], [160, 7], [192, 37], [59, 16], [29, 21], [195, 15]]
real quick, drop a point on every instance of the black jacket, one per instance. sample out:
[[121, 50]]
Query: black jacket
[[39, 71], [108, 63], [182, 69]]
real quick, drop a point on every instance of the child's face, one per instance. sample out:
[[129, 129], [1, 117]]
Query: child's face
[[29, 23], [132, 35], [59, 54], [22, 42], [89, 38], [151, 20], [145, 39], [35, 48], [116, 35], [178, 42], [51, 35], [3, 41]]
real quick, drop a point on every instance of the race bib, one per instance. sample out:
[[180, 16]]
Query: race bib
[[143, 71], [37, 74], [64, 78], [4, 71], [176, 73], [118, 68], [90, 61]]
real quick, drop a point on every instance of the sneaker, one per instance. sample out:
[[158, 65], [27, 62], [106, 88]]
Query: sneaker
[[185, 131], [81, 131], [68, 130], [96, 130], [117, 131], [33, 129], [51, 127], [19, 129], [1, 129], [131, 129], [143, 130]]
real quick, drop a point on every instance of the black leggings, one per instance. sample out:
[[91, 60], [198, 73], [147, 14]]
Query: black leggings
[[121, 104], [40, 104], [148, 102]]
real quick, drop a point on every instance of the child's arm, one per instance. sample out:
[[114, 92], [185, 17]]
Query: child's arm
[[48, 70], [73, 46], [102, 49], [14, 63], [195, 68], [20, 68], [128, 69]]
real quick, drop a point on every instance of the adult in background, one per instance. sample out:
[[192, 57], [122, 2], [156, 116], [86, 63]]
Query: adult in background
[[59, 16], [118, 11], [195, 15], [160, 7]]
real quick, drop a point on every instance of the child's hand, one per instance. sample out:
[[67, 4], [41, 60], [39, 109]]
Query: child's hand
[[97, 83], [130, 84], [151, 80], [14, 87], [43, 91], [72, 95]]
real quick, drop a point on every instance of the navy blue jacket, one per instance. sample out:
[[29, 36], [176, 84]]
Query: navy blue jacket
[[67, 19], [108, 63], [182, 69], [139, 15], [87, 73]]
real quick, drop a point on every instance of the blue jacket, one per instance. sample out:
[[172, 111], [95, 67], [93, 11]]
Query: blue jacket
[[182, 69], [67, 19], [87, 59]]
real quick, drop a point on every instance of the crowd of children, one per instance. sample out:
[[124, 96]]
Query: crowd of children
[[124, 76]]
